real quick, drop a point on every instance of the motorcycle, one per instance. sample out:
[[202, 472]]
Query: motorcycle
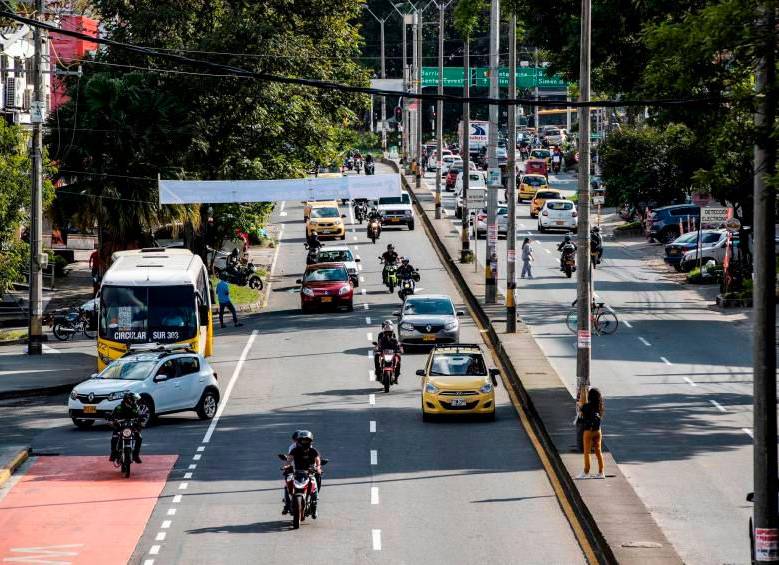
[[241, 275], [358, 165], [64, 325], [407, 286], [360, 210], [556, 165], [126, 445], [374, 229], [569, 261], [370, 168], [388, 363], [313, 254], [391, 276], [302, 486]]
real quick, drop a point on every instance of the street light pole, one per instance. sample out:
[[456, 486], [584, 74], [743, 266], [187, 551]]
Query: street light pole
[[511, 191], [764, 343], [583, 276], [405, 137], [383, 98], [439, 133], [535, 75], [493, 171], [420, 113], [465, 240], [37, 258]]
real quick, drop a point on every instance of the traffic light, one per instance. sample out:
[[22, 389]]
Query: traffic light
[[398, 114]]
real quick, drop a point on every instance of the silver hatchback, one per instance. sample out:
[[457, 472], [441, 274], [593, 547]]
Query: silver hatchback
[[428, 319]]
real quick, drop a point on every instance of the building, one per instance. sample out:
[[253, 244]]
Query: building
[[68, 52], [16, 78]]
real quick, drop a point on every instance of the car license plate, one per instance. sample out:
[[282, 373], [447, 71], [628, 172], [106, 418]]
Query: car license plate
[[327, 299], [458, 402], [396, 220], [325, 231], [428, 338], [559, 222], [674, 252], [91, 409]]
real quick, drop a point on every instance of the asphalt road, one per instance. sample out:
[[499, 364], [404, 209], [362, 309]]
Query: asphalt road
[[677, 380], [397, 490]]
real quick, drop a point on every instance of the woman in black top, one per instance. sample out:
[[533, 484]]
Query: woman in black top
[[591, 414]]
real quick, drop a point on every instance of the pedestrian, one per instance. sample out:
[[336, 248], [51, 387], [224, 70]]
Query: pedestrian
[[97, 267], [591, 414], [223, 294], [527, 258]]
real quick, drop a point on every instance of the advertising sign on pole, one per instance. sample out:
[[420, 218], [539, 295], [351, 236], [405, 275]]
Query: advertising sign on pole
[[492, 234], [476, 198], [714, 215]]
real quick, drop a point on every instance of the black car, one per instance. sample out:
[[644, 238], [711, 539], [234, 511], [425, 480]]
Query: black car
[[665, 221], [674, 251]]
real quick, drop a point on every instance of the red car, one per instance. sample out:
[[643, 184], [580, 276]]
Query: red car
[[536, 167], [326, 285]]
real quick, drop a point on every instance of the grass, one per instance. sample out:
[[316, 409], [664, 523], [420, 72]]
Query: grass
[[242, 294], [629, 226], [11, 335]]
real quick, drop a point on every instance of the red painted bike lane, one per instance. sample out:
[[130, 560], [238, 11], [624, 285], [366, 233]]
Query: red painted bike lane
[[79, 510]]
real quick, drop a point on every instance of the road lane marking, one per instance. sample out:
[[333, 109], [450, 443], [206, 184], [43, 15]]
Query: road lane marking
[[359, 268], [273, 266], [376, 540], [171, 511], [155, 550], [187, 475], [374, 495], [372, 399], [370, 375], [645, 342], [358, 257], [627, 323], [283, 204], [233, 380], [166, 524], [545, 249], [374, 457], [177, 499], [201, 448], [362, 278], [373, 426], [192, 467], [666, 361], [718, 406], [368, 320], [366, 306], [149, 562], [282, 214], [183, 486], [748, 432], [370, 336], [161, 536], [354, 237], [690, 381], [196, 457]]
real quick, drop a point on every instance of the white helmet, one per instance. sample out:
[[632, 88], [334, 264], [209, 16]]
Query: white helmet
[[388, 326]]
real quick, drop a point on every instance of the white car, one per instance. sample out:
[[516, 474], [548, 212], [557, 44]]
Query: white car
[[432, 163], [476, 180], [341, 254], [396, 210], [558, 215], [711, 251], [450, 160], [167, 378], [501, 219]]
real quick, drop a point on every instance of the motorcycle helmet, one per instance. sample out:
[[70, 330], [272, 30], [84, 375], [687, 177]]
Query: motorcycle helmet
[[404, 260], [567, 239], [130, 398], [390, 247], [596, 229], [305, 438], [388, 326]]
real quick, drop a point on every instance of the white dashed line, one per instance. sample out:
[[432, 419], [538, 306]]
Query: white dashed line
[[370, 376], [183, 486], [366, 306], [358, 257], [283, 205], [196, 457], [545, 249], [718, 406], [363, 292], [376, 540], [171, 511], [201, 448], [192, 467], [362, 278], [748, 432], [666, 361], [155, 550], [645, 342], [368, 320], [165, 524], [187, 475], [690, 381], [160, 536], [370, 336], [359, 268], [372, 399], [374, 495], [374, 457], [373, 425], [177, 499], [354, 237], [149, 562], [627, 323]]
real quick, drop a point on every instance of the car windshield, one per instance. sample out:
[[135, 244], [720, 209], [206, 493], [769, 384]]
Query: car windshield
[[402, 199], [534, 181], [330, 169], [540, 153], [476, 177], [325, 213], [546, 195], [559, 205], [335, 255], [129, 370], [327, 274], [688, 237], [429, 306], [502, 211], [460, 365]]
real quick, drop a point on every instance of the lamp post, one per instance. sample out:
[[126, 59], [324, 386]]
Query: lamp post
[[383, 75]]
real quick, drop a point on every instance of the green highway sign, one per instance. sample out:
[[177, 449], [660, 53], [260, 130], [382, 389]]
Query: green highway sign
[[527, 77]]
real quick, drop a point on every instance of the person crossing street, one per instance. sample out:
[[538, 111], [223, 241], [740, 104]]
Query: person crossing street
[[223, 295]]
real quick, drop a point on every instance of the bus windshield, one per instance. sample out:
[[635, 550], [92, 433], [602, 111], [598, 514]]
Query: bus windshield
[[136, 314]]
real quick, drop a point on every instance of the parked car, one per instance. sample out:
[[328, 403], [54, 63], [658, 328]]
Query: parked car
[[542, 196], [168, 379], [675, 251], [428, 319], [326, 284], [558, 215], [665, 221], [713, 251]]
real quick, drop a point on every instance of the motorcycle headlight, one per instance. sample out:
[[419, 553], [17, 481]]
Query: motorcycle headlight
[[431, 388], [127, 432], [116, 395], [406, 326], [344, 289], [73, 395], [486, 388], [307, 291], [451, 325]]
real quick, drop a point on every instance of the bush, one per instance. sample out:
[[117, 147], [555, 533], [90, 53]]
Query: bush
[[712, 276], [629, 226]]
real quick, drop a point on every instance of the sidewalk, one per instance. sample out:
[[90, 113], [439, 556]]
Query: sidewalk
[[611, 507], [56, 371]]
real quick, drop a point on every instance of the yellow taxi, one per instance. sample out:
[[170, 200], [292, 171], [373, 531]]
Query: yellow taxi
[[542, 196], [309, 204], [530, 184], [456, 380], [325, 219]]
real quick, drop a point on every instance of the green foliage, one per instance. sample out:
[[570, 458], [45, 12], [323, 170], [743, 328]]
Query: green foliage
[[240, 295], [470, 17], [627, 226]]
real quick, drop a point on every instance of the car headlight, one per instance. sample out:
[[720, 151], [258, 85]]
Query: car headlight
[[344, 289], [73, 394], [486, 388], [406, 326], [407, 212], [431, 388], [451, 325], [307, 291], [116, 395]]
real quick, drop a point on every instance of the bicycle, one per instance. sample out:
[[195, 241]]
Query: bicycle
[[604, 322]]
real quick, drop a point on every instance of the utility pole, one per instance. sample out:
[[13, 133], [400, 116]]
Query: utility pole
[[583, 275], [420, 113], [383, 98], [535, 74], [404, 137], [439, 130], [764, 343], [465, 239], [37, 258], [493, 171], [511, 191]]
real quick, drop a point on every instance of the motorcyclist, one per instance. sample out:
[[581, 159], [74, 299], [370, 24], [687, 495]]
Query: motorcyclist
[[387, 340], [565, 247], [596, 243], [406, 271], [292, 446], [126, 410], [232, 261], [374, 214], [313, 242], [389, 257], [303, 456]]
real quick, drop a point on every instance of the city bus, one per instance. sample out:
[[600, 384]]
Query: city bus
[[154, 295]]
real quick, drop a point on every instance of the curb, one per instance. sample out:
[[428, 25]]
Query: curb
[[8, 470], [594, 544]]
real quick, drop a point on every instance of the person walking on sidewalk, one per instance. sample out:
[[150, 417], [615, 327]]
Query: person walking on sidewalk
[[223, 294], [591, 413], [527, 258]]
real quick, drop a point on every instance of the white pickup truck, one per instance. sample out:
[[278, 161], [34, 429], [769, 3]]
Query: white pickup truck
[[397, 211]]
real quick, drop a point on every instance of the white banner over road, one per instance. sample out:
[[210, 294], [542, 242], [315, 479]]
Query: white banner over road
[[235, 191]]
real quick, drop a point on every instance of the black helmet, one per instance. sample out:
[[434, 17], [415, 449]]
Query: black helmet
[[314, 235], [390, 247], [130, 398], [567, 238], [596, 228], [295, 435], [305, 438]]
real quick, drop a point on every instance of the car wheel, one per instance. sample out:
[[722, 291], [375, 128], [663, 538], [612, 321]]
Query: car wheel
[[206, 408], [491, 416], [350, 307], [411, 226], [540, 228], [146, 411], [83, 424]]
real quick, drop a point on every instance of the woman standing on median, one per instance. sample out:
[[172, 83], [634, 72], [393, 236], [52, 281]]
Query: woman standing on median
[[591, 413], [527, 258]]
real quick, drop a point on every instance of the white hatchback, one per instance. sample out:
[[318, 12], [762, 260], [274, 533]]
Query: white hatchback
[[341, 254], [167, 380], [558, 215]]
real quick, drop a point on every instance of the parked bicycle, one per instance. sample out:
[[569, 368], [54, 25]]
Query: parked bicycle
[[604, 322]]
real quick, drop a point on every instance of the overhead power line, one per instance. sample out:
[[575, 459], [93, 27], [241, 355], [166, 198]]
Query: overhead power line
[[340, 87]]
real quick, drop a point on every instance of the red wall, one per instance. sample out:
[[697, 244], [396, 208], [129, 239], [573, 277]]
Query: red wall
[[66, 50]]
